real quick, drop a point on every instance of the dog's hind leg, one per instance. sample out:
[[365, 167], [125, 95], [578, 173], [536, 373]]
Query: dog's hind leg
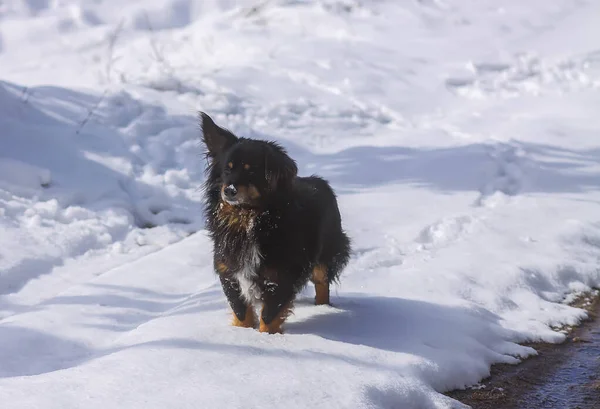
[[321, 282]]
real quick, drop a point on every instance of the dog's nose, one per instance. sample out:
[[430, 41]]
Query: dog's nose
[[230, 192]]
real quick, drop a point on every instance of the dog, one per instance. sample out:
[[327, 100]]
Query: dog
[[272, 230]]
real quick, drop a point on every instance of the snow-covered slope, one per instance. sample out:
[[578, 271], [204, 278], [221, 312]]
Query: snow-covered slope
[[461, 137]]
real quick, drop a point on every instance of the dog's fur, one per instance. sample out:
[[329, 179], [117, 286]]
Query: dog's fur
[[272, 230]]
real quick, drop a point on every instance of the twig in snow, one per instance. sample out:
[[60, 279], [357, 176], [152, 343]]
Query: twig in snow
[[166, 68], [25, 94], [256, 9], [91, 112], [112, 41]]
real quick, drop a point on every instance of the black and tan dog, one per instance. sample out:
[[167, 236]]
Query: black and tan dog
[[272, 230]]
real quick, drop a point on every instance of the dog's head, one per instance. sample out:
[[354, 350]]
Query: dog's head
[[247, 171]]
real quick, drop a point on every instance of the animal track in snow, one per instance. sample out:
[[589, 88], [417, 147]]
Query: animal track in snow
[[443, 231], [527, 74], [508, 174]]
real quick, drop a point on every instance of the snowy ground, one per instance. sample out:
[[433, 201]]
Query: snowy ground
[[462, 137]]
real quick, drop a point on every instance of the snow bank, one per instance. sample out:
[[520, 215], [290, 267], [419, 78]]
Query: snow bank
[[73, 184]]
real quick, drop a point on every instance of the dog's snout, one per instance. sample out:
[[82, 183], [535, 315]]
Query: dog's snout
[[230, 191]]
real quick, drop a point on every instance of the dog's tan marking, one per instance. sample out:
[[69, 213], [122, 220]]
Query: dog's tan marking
[[274, 327], [319, 278], [235, 217], [246, 166], [249, 320], [230, 165]]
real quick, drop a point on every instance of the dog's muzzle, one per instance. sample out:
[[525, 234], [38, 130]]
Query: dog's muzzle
[[230, 192]]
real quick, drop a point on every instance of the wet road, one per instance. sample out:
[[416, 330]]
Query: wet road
[[565, 376], [576, 383]]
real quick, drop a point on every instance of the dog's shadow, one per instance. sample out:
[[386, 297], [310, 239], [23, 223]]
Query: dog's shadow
[[399, 325]]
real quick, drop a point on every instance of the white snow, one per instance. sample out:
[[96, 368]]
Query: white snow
[[461, 137]]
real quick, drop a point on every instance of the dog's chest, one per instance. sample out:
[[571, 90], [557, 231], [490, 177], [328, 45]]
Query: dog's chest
[[247, 275], [238, 247]]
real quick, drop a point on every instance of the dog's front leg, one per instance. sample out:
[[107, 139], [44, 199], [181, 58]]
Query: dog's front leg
[[243, 314], [277, 305]]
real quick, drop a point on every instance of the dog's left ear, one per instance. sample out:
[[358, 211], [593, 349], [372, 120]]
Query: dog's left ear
[[216, 139], [280, 169]]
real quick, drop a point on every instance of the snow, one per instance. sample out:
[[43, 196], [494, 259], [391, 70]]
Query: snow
[[460, 138]]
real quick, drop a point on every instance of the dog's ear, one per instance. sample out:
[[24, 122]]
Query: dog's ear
[[280, 169], [216, 139]]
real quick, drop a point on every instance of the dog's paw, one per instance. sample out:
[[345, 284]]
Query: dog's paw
[[271, 328], [248, 322]]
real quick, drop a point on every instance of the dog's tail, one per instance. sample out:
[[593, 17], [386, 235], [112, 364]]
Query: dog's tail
[[340, 258]]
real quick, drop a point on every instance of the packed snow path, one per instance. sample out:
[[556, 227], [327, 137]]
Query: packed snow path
[[461, 138]]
